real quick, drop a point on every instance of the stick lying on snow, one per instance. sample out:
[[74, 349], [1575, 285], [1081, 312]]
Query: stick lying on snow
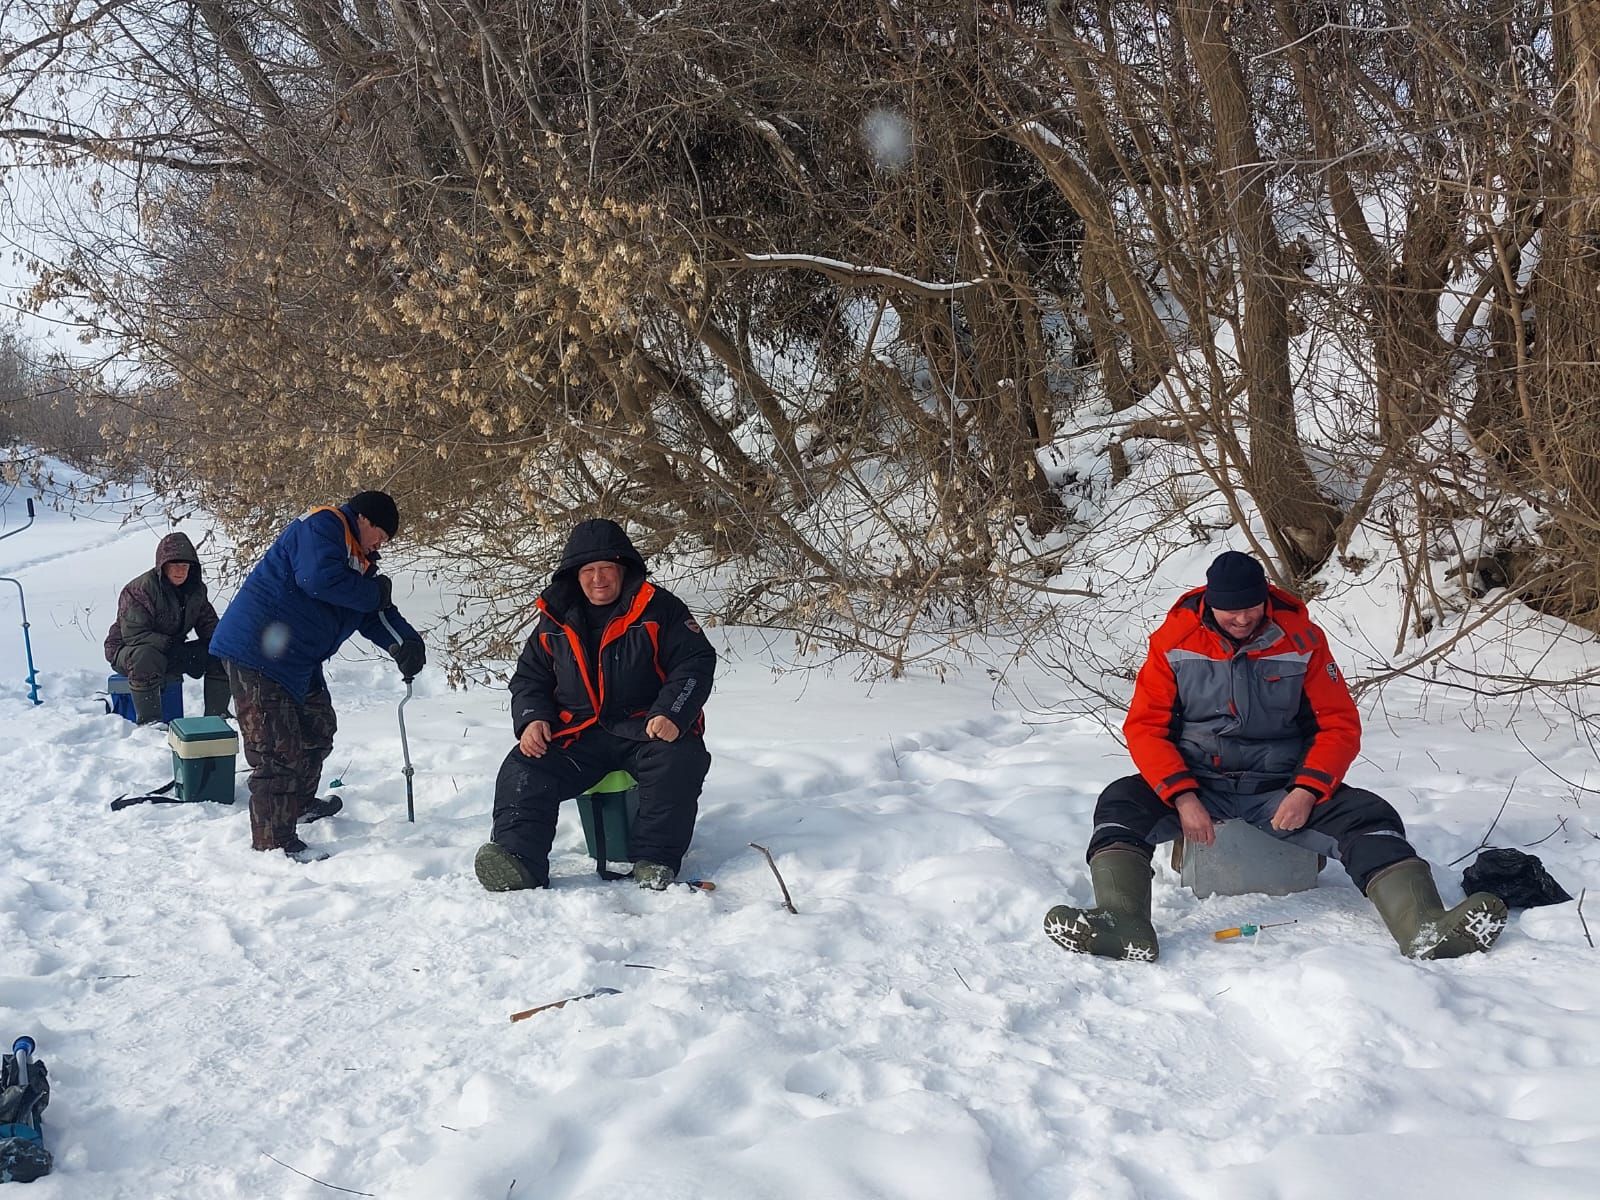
[[528, 1012], [787, 903]]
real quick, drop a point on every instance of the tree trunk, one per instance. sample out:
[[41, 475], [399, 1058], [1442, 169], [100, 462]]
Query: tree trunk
[[1301, 522]]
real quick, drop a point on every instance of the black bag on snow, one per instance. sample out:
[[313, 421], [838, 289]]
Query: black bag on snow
[[1517, 878]]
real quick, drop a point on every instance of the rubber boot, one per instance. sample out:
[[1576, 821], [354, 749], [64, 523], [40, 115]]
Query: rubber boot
[[294, 848], [1118, 926], [654, 876], [217, 694], [146, 705], [316, 809], [499, 870], [1409, 904]]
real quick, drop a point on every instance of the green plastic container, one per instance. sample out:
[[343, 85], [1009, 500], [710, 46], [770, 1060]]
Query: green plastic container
[[203, 753], [611, 805]]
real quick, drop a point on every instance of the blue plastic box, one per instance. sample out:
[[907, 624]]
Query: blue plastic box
[[120, 699]]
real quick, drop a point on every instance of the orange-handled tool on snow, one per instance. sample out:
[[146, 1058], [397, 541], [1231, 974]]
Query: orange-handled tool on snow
[[1238, 931]]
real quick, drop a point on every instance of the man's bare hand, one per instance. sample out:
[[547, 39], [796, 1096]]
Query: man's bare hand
[[1294, 809], [1197, 824], [661, 728], [535, 739]]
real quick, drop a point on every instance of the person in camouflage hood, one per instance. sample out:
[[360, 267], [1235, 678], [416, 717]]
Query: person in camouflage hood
[[613, 677], [155, 615]]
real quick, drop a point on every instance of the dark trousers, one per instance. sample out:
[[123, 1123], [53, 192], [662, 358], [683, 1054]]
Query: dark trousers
[[150, 668], [285, 742], [1358, 828], [529, 792]]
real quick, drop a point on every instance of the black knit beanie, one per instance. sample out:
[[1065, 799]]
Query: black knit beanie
[[1235, 581], [379, 508]]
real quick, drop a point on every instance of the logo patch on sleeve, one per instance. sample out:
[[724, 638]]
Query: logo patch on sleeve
[[1333, 672]]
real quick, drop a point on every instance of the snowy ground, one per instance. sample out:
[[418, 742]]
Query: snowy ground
[[911, 1034]]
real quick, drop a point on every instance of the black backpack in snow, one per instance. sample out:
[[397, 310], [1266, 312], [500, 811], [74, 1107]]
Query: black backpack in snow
[[1517, 878]]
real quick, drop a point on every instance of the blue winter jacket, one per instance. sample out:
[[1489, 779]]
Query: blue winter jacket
[[303, 600]]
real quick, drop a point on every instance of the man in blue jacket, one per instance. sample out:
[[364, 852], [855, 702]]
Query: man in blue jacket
[[613, 677], [316, 585]]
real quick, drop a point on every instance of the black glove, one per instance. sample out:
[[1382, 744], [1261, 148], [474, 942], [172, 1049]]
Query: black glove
[[385, 591], [410, 656], [191, 658]]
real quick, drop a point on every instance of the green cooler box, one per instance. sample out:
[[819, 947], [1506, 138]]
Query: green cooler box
[[203, 750]]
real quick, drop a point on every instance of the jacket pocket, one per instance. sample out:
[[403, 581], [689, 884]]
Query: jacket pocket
[[1275, 688]]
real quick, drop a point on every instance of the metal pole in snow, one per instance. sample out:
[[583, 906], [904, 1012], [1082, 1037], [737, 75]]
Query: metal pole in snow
[[27, 639], [405, 750]]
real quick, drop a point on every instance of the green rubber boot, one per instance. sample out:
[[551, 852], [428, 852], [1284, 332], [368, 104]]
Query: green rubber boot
[[1409, 904], [654, 876], [1118, 926], [146, 705], [217, 695], [499, 870]]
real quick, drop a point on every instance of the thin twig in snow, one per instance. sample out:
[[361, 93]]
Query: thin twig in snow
[[1561, 823], [1581, 895], [1490, 830], [964, 983], [314, 1179], [787, 903], [1571, 783]]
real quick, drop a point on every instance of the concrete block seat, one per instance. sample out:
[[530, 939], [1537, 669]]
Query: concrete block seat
[[1245, 861]]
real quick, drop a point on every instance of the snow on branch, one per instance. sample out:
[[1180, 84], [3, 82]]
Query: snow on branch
[[1041, 137], [851, 274]]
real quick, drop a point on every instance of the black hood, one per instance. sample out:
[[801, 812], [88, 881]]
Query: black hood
[[598, 540]]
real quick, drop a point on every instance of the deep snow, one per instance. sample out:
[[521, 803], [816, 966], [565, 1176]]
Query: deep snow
[[911, 1033]]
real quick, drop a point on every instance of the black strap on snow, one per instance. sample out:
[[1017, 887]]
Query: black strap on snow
[[162, 795], [597, 818]]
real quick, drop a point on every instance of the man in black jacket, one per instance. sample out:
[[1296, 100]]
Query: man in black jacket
[[613, 677]]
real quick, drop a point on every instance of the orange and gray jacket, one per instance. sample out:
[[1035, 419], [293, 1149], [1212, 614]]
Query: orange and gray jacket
[[151, 612], [652, 658], [1273, 713]]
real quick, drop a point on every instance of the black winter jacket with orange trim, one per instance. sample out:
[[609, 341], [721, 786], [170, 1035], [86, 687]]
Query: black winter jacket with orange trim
[[653, 660]]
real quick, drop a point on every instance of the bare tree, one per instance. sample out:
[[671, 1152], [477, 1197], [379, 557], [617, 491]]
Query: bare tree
[[812, 300]]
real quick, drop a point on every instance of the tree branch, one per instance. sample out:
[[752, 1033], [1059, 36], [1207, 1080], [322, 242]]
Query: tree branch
[[120, 150]]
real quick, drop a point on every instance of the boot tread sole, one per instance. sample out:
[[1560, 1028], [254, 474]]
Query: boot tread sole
[[499, 870], [1102, 934]]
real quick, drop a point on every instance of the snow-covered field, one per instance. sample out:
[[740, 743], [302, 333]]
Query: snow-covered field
[[205, 1010]]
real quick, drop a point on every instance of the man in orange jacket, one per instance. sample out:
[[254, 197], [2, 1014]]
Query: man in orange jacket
[[1240, 713], [613, 677]]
